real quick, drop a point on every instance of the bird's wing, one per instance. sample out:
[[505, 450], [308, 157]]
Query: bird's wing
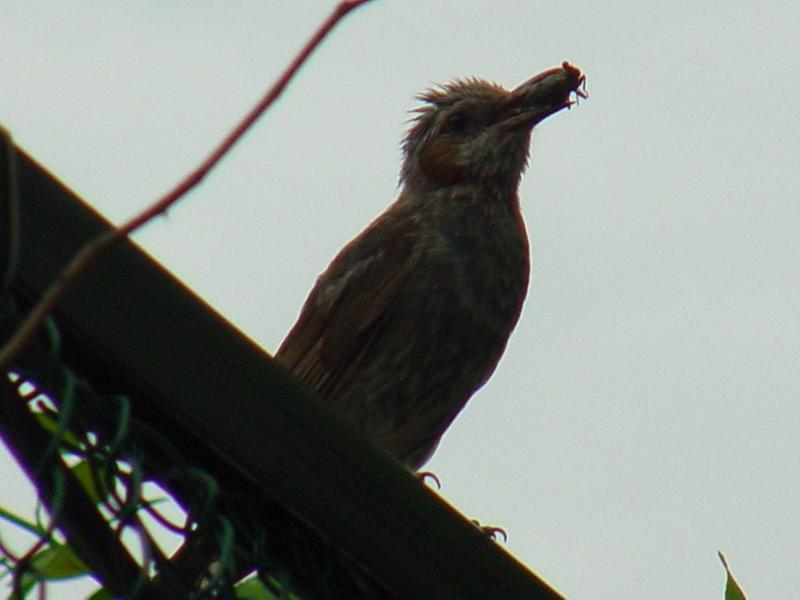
[[346, 311]]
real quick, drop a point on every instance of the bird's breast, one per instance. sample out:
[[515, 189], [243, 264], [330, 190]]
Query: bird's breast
[[476, 269]]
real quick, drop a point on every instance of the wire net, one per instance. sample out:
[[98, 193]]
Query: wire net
[[110, 479]]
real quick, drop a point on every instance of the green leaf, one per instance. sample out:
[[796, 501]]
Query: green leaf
[[48, 423], [58, 562], [732, 589], [253, 589], [101, 594], [83, 472]]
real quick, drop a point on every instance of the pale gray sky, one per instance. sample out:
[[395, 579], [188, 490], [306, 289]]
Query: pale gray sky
[[646, 412]]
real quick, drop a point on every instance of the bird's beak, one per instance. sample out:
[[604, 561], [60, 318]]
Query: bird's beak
[[544, 94]]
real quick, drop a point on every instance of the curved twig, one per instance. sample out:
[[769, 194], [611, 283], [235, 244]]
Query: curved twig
[[94, 249]]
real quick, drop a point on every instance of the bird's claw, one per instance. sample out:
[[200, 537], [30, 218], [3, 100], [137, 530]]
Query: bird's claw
[[425, 476], [493, 533]]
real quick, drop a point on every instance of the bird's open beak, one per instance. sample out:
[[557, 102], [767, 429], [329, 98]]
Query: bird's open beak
[[545, 94]]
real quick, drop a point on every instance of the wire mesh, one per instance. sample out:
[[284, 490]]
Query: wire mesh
[[94, 438]]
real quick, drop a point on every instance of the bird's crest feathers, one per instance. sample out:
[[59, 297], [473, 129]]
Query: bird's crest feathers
[[450, 93]]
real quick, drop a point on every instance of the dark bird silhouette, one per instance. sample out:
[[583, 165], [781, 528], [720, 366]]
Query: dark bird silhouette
[[413, 315]]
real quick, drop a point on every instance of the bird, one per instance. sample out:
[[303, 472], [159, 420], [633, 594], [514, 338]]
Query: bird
[[412, 316]]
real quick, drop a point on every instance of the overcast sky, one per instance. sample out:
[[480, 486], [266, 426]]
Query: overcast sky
[[645, 414]]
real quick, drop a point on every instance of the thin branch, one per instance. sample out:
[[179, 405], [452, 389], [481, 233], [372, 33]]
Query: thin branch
[[94, 249]]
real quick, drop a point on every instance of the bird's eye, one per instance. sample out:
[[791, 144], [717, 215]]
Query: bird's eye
[[455, 123]]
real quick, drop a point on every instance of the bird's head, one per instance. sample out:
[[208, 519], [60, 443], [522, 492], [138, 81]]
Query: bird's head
[[475, 132]]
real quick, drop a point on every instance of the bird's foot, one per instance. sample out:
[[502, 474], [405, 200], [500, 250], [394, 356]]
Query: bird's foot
[[493, 533], [428, 476]]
